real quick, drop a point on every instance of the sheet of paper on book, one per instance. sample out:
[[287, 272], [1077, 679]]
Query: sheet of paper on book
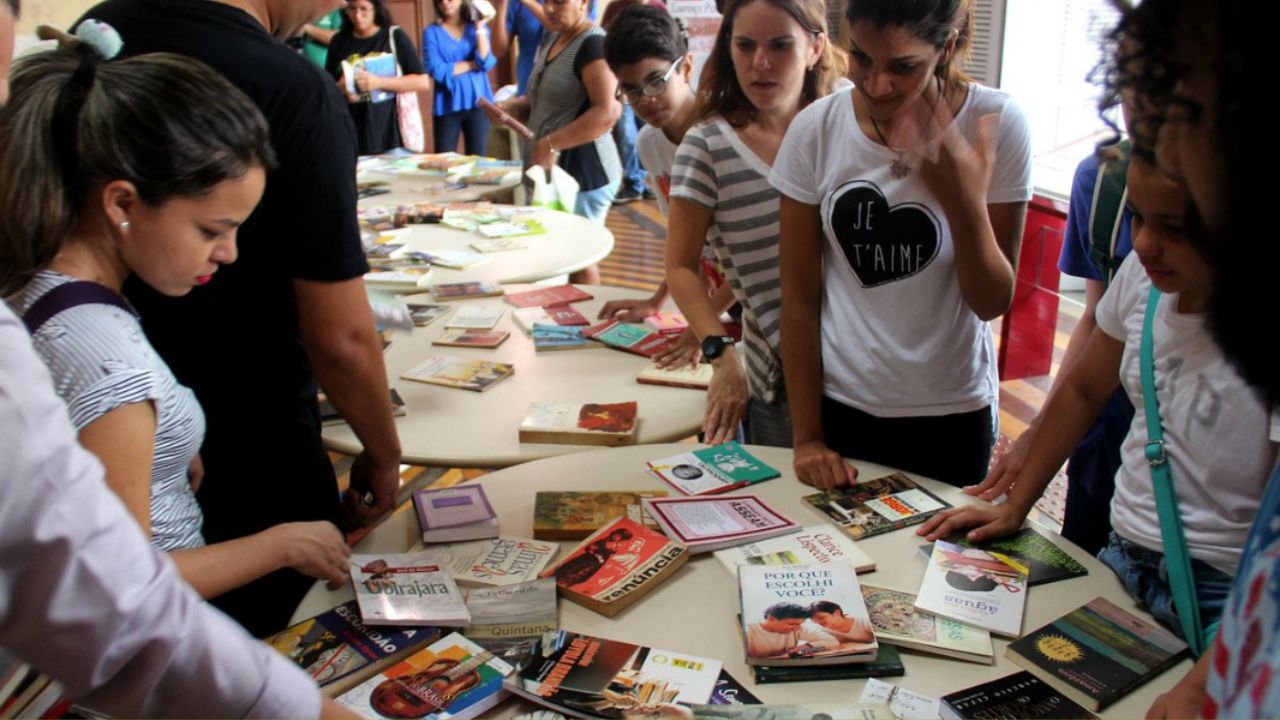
[[904, 704]]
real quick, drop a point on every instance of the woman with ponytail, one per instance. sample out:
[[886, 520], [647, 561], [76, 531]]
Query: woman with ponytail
[[902, 211], [144, 167]]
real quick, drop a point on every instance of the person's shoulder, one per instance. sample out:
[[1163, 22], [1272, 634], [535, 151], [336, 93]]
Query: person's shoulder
[[652, 139]]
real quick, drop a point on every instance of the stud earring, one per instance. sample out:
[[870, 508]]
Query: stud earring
[[124, 226]]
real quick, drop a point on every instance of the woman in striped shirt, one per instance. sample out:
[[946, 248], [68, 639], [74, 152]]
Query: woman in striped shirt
[[771, 58], [143, 167]]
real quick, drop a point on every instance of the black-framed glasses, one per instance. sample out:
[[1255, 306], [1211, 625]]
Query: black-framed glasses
[[653, 88]]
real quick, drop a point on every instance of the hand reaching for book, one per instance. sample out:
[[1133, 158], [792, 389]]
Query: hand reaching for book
[[987, 521], [316, 549], [820, 466], [684, 352], [1004, 473]]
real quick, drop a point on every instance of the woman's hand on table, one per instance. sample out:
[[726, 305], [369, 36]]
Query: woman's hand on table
[[684, 352], [316, 549], [726, 400], [1002, 477], [820, 466], [987, 521], [627, 310]]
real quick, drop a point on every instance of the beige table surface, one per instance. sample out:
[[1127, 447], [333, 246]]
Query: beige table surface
[[694, 611], [448, 427]]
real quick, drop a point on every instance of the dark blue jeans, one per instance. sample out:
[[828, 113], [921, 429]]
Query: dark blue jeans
[[473, 124], [1146, 579]]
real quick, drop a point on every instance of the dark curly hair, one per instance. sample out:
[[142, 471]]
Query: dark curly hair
[[641, 32]]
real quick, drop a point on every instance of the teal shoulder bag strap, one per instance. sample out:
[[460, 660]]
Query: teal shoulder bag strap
[[1176, 559]]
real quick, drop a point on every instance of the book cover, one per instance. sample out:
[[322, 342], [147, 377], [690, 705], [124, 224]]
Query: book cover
[[667, 323], [1045, 561], [397, 278], [707, 524], [616, 565], [804, 615], [472, 338], [542, 297], [586, 676], [1020, 695], [877, 506], [636, 339], [511, 228], [728, 691], [815, 545], [381, 251], [335, 645], [452, 507], [454, 259], [406, 589], [474, 375], [1097, 653], [522, 610], [462, 290], [887, 663], [896, 621], [696, 377], [475, 317], [555, 337], [382, 64], [976, 587], [712, 470], [503, 560], [329, 414], [566, 315], [580, 423], [424, 314], [575, 514], [451, 678], [492, 245]]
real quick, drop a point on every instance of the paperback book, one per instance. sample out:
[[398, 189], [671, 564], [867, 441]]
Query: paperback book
[[527, 318], [566, 315], [389, 277], [712, 470], [452, 679], [580, 423], [667, 323], [507, 618], [1020, 695], [474, 317], [338, 650], [636, 339], [708, 524], [591, 677], [502, 560], [617, 565], [329, 414], [696, 377], [896, 621], [474, 375], [983, 589], [453, 259], [1045, 561], [455, 514], [424, 314], [511, 228], [542, 297], [815, 545], [804, 615], [472, 338], [887, 663], [1097, 653], [548, 338], [464, 290], [406, 589], [575, 514], [492, 245], [877, 506]]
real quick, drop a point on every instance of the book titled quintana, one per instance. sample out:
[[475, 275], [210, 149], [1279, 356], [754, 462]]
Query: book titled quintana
[[712, 470], [1045, 561], [522, 610], [575, 514], [695, 377], [1097, 653], [804, 615], [636, 339], [580, 423], [502, 560], [335, 647], [463, 290], [707, 524], [406, 589], [617, 565], [474, 375], [896, 621], [472, 338], [455, 514], [815, 545], [591, 677], [542, 297], [452, 679], [877, 506], [1020, 695], [976, 587]]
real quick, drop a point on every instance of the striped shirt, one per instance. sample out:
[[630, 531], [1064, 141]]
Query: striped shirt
[[557, 97], [714, 169], [100, 360]]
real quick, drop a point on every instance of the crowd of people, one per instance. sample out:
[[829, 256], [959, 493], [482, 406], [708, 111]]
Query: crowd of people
[[164, 341]]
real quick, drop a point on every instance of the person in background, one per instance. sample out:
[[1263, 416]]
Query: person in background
[[292, 310], [624, 131], [455, 51], [367, 28], [89, 601], [526, 24], [316, 37]]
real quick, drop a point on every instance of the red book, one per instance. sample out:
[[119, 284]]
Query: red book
[[542, 297], [566, 315]]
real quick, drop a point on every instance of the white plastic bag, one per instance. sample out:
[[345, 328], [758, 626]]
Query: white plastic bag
[[560, 192]]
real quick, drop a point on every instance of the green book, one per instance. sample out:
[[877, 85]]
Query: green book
[[887, 663]]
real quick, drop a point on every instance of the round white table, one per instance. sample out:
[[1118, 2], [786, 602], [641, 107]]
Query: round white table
[[694, 611], [448, 427]]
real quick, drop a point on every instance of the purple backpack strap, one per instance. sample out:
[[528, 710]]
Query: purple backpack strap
[[69, 295]]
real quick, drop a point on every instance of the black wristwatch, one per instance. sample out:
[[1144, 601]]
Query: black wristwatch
[[713, 345]]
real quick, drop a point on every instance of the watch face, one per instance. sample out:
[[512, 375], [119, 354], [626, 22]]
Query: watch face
[[712, 347]]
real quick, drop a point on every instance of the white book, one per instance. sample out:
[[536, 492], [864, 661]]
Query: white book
[[984, 589], [834, 627], [503, 560], [711, 523], [526, 318], [814, 545], [406, 589], [475, 317]]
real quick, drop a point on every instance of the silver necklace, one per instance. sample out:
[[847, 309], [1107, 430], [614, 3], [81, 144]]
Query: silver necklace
[[899, 167]]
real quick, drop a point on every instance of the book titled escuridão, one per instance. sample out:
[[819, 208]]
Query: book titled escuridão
[[406, 589]]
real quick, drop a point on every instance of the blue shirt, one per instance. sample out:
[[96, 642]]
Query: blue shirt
[[1076, 259], [440, 51]]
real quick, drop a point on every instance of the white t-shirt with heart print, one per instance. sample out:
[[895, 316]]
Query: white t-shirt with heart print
[[898, 339]]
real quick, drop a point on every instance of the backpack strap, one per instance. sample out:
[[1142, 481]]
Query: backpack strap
[[69, 295], [1106, 213]]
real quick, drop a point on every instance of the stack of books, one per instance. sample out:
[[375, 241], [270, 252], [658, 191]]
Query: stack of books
[[455, 514]]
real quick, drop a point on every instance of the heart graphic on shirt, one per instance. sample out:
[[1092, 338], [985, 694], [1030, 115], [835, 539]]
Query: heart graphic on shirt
[[883, 244]]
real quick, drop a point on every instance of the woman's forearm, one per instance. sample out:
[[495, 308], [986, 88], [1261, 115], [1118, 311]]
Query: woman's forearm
[[800, 260], [588, 126], [986, 276], [215, 569], [405, 83]]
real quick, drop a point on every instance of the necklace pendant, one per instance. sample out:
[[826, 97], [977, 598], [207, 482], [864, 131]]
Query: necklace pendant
[[899, 168]]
